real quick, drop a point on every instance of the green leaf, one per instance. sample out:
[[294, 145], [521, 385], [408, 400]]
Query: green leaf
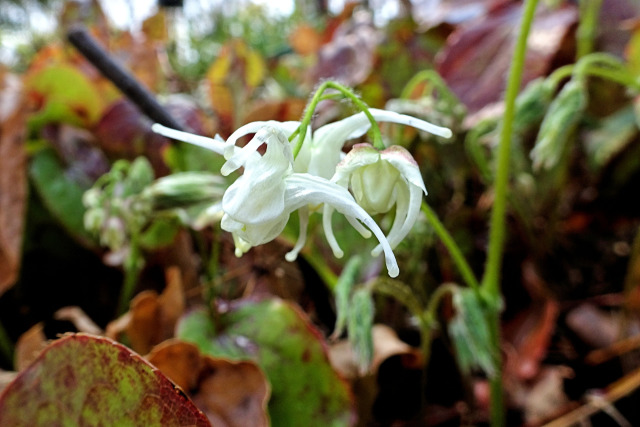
[[61, 195], [470, 333], [86, 380], [360, 324], [611, 136], [279, 337], [561, 119], [343, 291]]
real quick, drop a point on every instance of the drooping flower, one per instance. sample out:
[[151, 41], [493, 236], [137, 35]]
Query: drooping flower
[[379, 180], [258, 204], [320, 155]]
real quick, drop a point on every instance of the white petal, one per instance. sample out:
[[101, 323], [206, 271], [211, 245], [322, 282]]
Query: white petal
[[403, 119], [406, 215], [328, 232], [304, 189], [402, 160], [216, 144], [303, 215]]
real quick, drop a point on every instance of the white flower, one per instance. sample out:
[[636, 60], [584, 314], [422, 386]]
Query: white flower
[[257, 205], [379, 180], [321, 154]]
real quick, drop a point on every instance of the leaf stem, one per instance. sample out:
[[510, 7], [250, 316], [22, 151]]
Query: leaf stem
[[491, 279], [132, 268], [454, 249]]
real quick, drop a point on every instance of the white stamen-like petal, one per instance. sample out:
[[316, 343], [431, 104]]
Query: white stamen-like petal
[[403, 119], [215, 144], [305, 189], [328, 232], [303, 217]]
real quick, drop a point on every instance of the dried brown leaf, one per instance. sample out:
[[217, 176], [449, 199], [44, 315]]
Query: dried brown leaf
[[233, 394], [385, 345], [151, 318], [13, 177], [29, 345], [79, 318], [230, 393]]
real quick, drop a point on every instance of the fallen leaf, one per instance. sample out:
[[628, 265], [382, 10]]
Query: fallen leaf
[[279, 337], [230, 393], [151, 318], [79, 318], [477, 56], [180, 361], [82, 379], [349, 57], [29, 346], [528, 337], [385, 344], [13, 178], [233, 394]]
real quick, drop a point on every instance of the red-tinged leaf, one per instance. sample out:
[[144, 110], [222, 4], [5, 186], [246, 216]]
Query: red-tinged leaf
[[454, 12], [476, 59], [123, 132], [88, 380], [529, 336], [349, 57], [13, 178]]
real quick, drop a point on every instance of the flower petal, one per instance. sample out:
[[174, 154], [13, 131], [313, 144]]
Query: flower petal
[[215, 144], [305, 189]]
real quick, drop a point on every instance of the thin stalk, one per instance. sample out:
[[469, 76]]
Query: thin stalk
[[317, 97], [132, 269], [491, 279], [6, 346], [452, 247], [586, 32]]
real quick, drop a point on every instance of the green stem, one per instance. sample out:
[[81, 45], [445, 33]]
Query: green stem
[[429, 76], [586, 32], [491, 279], [317, 97], [599, 65], [132, 268], [454, 249], [6, 346]]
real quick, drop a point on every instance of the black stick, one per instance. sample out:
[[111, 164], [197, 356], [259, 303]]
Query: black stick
[[138, 94]]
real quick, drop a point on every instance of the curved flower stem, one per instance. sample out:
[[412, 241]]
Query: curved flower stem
[[454, 249], [429, 76], [317, 97], [491, 280], [599, 65]]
